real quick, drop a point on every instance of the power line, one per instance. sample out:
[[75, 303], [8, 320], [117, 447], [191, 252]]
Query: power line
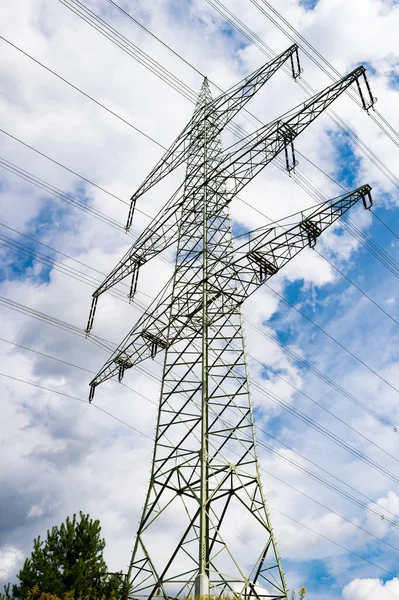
[[69, 396], [67, 197], [78, 275], [82, 92], [312, 474], [353, 95], [323, 377], [102, 189], [359, 360], [357, 287], [305, 395], [260, 44]]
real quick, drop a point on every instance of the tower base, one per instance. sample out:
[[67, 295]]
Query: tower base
[[202, 585]]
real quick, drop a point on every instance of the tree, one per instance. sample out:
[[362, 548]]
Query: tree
[[70, 560]]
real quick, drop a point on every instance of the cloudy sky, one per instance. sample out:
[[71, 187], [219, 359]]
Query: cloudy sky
[[323, 338]]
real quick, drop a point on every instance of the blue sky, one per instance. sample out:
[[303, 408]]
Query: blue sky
[[62, 458]]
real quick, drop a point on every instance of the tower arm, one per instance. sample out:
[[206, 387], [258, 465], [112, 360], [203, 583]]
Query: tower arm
[[241, 273], [268, 251], [249, 156], [221, 111], [244, 161]]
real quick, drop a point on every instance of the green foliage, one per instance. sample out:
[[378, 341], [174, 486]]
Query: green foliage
[[69, 565]]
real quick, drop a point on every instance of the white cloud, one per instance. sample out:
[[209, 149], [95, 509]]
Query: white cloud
[[9, 560], [365, 589]]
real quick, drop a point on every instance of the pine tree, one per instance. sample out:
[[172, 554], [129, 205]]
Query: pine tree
[[70, 560]]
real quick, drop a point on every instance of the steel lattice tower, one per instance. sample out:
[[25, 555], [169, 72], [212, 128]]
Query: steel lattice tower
[[205, 481]]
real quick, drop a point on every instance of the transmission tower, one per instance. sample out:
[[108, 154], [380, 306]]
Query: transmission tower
[[205, 527]]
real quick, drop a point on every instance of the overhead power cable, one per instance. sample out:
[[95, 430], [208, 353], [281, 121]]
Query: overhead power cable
[[259, 43], [67, 270], [32, 312], [72, 397], [63, 196], [66, 197], [82, 92], [305, 395], [357, 287], [354, 95], [323, 377], [106, 30], [111, 346], [90, 281], [384, 224], [333, 339], [99, 187]]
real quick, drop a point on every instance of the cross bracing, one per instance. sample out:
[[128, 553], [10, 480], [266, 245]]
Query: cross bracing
[[205, 471]]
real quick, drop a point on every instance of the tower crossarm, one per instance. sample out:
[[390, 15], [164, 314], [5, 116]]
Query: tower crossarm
[[245, 159], [253, 263], [268, 250], [240, 165], [221, 110]]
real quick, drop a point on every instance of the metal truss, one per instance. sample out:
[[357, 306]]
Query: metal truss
[[205, 528]]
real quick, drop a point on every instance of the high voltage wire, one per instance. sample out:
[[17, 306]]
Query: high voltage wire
[[305, 395], [119, 295], [128, 47], [323, 377], [102, 189], [69, 396], [78, 275], [36, 241], [353, 95], [62, 268], [352, 228], [357, 287], [271, 54], [302, 314], [82, 92], [58, 193], [66, 197], [31, 312], [313, 475], [258, 42]]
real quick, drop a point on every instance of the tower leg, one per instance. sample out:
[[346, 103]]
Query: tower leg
[[202, 585]]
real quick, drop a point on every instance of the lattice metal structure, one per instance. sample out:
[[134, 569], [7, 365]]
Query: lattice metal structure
[[205, 528]]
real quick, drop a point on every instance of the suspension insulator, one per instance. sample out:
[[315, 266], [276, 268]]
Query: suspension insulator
[[91, 315]]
